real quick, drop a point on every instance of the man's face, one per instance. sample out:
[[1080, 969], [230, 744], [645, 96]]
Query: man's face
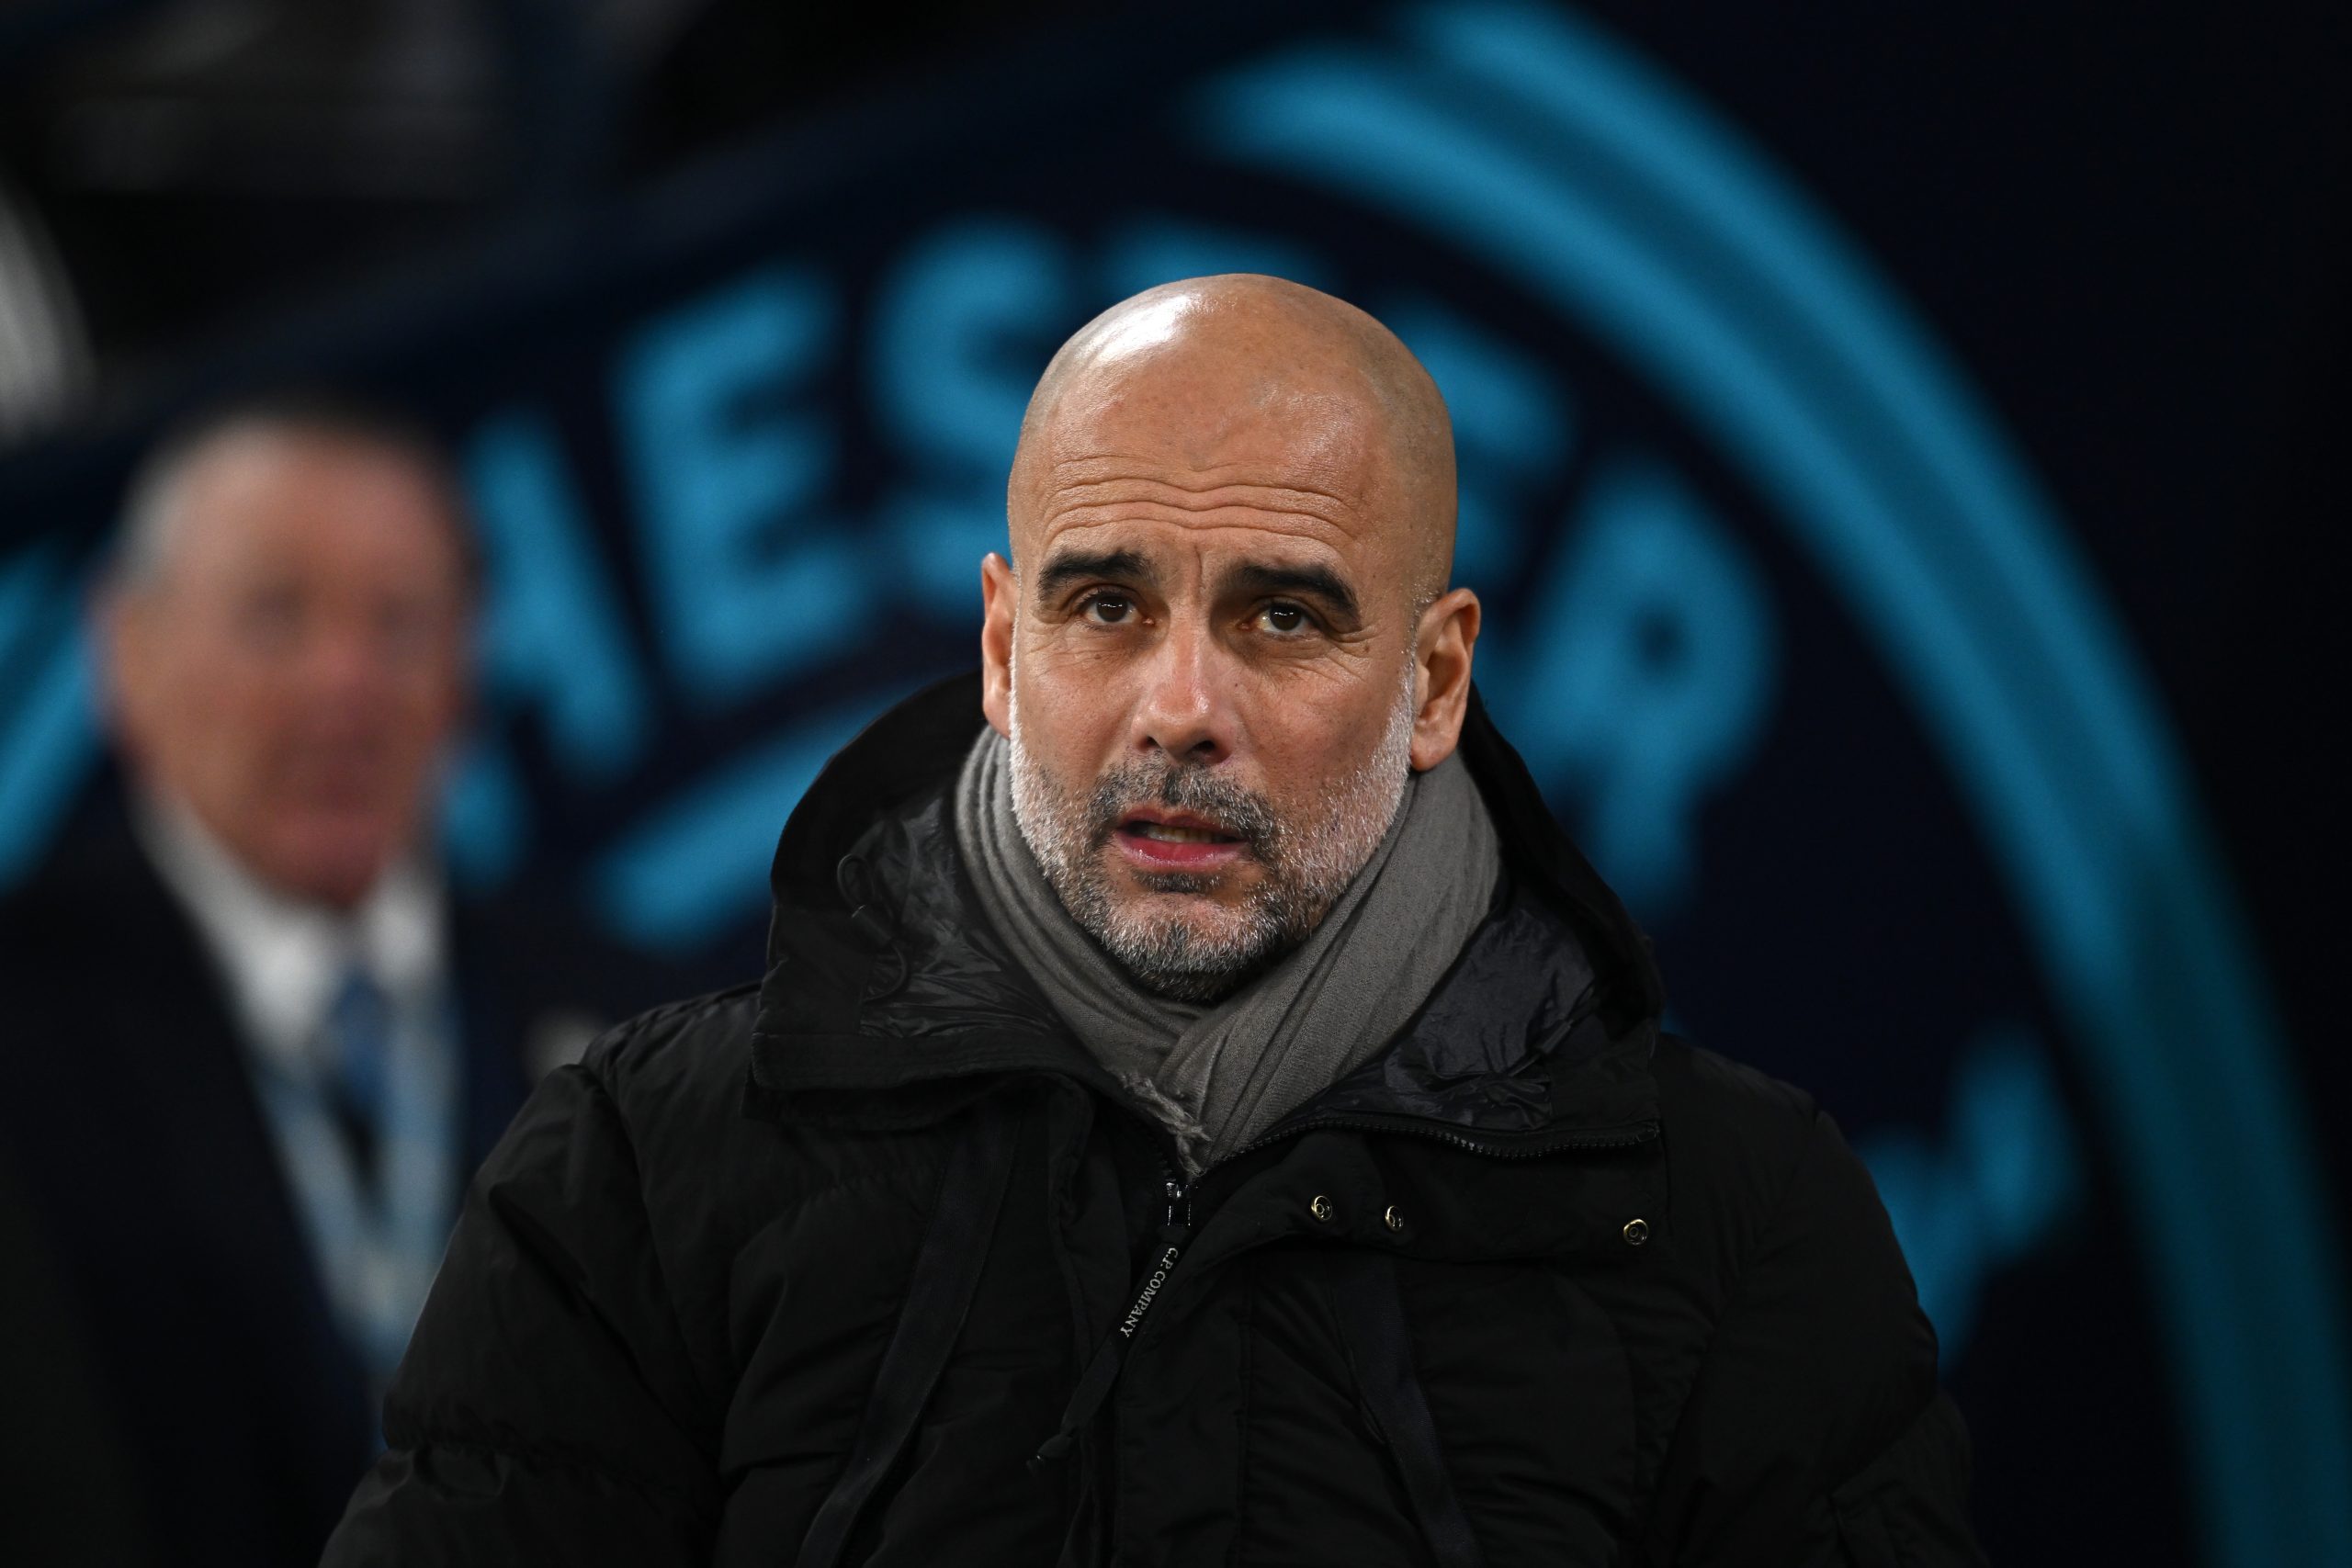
[[1207, 667], [297, 665]]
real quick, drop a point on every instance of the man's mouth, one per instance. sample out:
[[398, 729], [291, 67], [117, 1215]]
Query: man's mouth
[[1154, 841], [1169, 833]]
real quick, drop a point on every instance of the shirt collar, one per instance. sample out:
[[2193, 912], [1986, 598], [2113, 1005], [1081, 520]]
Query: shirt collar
[[284, 957]]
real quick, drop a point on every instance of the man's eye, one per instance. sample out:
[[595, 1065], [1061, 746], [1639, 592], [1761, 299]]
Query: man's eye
[[270, 619], [1107, 609], [1284, 619]]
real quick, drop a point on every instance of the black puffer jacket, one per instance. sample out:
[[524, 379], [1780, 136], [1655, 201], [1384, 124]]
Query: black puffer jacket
[[810, 1274]]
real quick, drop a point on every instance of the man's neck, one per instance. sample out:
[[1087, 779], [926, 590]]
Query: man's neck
[[279, 954]]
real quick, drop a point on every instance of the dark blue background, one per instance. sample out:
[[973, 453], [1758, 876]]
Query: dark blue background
[[780, 375]]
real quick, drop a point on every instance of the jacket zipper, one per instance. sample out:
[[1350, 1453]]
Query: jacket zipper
[[1102, 1370], [1175, 1234]]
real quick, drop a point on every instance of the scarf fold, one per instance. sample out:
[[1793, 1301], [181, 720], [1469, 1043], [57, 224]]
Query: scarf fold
[[1218, 1074]]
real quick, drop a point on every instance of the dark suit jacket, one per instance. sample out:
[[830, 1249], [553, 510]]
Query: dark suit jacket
[[134, 1141]]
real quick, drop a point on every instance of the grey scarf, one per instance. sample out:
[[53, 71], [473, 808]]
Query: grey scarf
[[1217, 1075]]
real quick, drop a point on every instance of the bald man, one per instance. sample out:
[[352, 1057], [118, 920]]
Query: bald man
[[1199, 1108], [254, 1048]]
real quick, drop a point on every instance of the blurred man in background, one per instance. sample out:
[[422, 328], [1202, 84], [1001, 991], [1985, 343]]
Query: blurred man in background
[[254, 1051]]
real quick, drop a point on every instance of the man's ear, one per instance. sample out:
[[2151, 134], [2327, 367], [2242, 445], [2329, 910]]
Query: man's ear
[[998, 589], [1443, 645]]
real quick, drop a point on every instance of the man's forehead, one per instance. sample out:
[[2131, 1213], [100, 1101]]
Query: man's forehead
[[1269, 506], [1202, 405], [1268, 433], [262, 492], [1237, 455], [271, 457]]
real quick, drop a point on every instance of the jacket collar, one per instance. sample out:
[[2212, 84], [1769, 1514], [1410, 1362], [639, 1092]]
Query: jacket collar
[[888, 1000]]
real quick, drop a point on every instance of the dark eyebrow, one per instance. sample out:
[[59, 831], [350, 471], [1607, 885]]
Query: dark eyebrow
[[1256, 578], [1078, 565]]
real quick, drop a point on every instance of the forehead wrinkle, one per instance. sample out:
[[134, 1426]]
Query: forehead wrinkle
[[1195, 530], [1115, 466], [1218, 520], [1299, 499], [1329, 523], [1287, 492]]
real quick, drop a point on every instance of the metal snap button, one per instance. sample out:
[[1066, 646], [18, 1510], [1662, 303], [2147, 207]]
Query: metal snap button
[[1393, 1219], [1321, 1209], [1637, 1232]]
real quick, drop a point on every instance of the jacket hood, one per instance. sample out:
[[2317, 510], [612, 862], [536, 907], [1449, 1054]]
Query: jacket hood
[[887, 996]]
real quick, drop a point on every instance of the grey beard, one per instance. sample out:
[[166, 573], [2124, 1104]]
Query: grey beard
[[1308, 866]]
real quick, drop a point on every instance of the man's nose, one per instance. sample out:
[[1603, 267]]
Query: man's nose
[[341, 660], [1183, 709]]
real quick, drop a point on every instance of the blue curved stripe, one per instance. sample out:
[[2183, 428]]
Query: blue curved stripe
[[1718, 281], [49, 734], [2135, 978], [1608, 101]]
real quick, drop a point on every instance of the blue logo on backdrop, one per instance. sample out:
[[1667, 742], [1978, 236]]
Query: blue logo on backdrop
[[1573, 169], [806, 459]]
